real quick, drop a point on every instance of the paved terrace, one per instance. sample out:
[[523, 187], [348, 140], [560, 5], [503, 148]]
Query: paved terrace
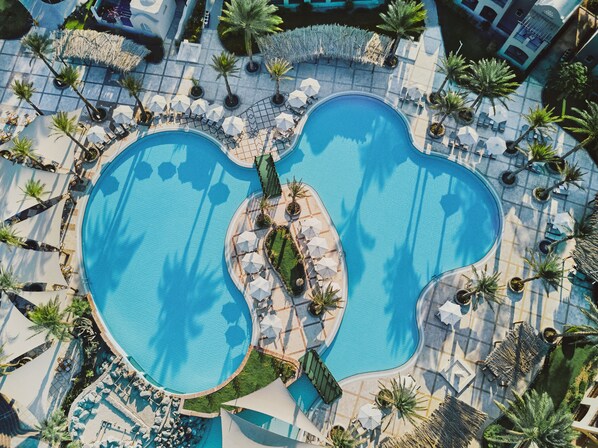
[[524, 218]]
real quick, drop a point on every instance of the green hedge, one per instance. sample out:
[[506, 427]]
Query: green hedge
[[194, 26], [286, 259], [15, 20]]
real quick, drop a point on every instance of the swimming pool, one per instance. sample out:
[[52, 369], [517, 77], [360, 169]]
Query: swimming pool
[[403, 218]]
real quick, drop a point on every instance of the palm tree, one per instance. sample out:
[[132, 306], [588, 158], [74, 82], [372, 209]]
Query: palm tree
[[41, 46], [254, 18], [535, 422], [452, 102], [22, 151], [54, 430], [405, 20], [263, 219], [297, 190], [35, 190], [70, 76], [225, 65], [549, 269], [582, 228], [341, 438], [79, 307], [538, 118], [401, 399], [324, 300], [62, 124], [8, 281], [9, 236], [24, 90], [537, 152], [50, 319], [134, 86], [589, 331], [482, 286], [492, 79], [278, 68], [586, 126], [570, 175], [454, 67]]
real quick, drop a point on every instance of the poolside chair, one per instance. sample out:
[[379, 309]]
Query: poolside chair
[[420, 104], [481, 119], [403, 95], [502, 127]]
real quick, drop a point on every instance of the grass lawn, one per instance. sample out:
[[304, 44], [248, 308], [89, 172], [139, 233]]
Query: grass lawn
[[285, 258], [15, 19], [261, 369]]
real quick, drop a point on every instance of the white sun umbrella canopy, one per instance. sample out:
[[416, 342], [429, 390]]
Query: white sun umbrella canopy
[[468, 136], [297, 98], [215, 113], [180, 104], [157, 104], [271, 326], [564, 222], [326, 267], [311, 227], [233, 126], [317, 247], [199, 106], [310, 87], [369, 416], [252, 262], [122, 114], [96, 134], [285, 121], [247, 242], [496, 145], [498, 113], [260, 289], [449, 313], [414, 92]]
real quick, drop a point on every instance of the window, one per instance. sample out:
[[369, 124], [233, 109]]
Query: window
[[500, 3], [488, 13], [534, 42], [517, 54], [521, 34], [471, 4], [519, 12]]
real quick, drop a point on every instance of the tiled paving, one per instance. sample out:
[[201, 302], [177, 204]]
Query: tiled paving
[[524, 218]]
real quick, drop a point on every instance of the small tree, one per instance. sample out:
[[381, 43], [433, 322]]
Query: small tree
[[134, 86], [225, 64], [4, 364], [8, 281], [570, 80], [405, 20], [48, 318], [35, 190], [24, 90], [537, 152], [538, 118], [341, 438], [450, 103], [492, 79], [9, 236], [549, 269], [22, 152], [41, 46], [62, 124], [324, 300], [70, 76], [263, 219], [570, 175], [401, 399], [586, 126], [482, 286], [297, 190], [454, 67], [278, 68], [54, 430]]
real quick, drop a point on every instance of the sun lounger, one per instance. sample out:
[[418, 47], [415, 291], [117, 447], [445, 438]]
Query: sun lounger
[[481, 119], [502, 126], [403, 95]]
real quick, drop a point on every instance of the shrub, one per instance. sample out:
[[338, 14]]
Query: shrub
[[491, 431], [194, 26]]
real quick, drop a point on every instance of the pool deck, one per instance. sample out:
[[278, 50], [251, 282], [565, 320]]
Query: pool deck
[[524, 218]]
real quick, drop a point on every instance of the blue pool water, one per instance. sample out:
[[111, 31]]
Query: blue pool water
[[154, 231]]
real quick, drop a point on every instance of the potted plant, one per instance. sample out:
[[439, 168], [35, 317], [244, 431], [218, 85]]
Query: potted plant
[[225, 64], [550, 335], [278, 68], [401, 400], [482, 286], [538, 118], [570, 174], [195, 91], [324, 300], [454, 68], [448, 104], [263, 218], [339, 437], [548, 269], [537, 152], [297, 190]]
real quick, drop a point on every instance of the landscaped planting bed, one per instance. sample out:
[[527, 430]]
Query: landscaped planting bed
[[16, 20], [286, 259]]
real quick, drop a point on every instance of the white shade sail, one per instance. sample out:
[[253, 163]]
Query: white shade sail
[[49, 144], [239, 433], [252, 262], [96, 134], [122, 114], [157, 104], [16, 338], [247, 241], [43, 227], [369, 416], [467, 136], [284, 121], [271, 326], [310, 86], [32, 266], [311, 227], [449, 313], [496, 145], [498, 113], [233, 126], [276, 401], [199, 106], [260, 288], [317, 247], [13, 178], [564, 222], [215, 113], [297, 99], [180, 103], [38, 298], [326, 267]]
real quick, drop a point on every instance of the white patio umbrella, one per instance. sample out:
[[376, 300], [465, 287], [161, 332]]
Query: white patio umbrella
[[157, 104], [317, 246], [311, 227], [199, 106], [496, 145], [414, 92], [271, 326], [247, 242], [252, 262], [233, 126], [96, 134], [310, 86], [215, 113], [180, 103], [467, 136], [449, 313], [122, 114], [260, 288], [369, 416], [564, 222], [326, 267], [297, 99], [498, 113], [284, 121]]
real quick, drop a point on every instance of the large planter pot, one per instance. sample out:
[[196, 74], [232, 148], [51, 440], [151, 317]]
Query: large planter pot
[[100, 116], [232, 104], [516, 285], [436, 131], [196, 92], [391, 62], [550, 335], [466, 117], [277, 100], [507, 180], [511, 151], [311, 311], [147, 120], [263, 221], [293, 209], [544, 246], [539, 194], [252, 69], [335, 429], [433, 97], [59, 84], [461, 299]]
